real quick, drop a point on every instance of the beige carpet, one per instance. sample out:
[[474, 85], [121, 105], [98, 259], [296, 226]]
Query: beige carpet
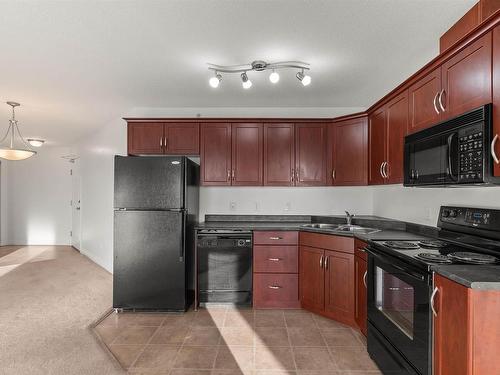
[[49, 295]]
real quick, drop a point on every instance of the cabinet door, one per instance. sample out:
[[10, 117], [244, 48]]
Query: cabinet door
[[467, 78], [247, 160], [377, 138], [339, 286], [360, 308], [312, 278], [145, 138], [451, 349], [182, 139], [310, 154], [349, 152], [423, 108], [496, 98], [397, 125], [215, 160], [279, 154]]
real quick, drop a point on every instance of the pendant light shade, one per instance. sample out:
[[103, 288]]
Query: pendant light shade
[[13, 146]]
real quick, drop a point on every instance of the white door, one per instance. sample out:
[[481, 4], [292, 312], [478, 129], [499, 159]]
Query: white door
[[76, 210]]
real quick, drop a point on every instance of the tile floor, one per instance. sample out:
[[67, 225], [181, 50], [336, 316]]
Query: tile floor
[[221, 341]]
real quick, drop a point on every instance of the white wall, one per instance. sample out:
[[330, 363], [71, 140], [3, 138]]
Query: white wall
[[38, 191], [285, 201], [421, 205], [4, 240], [97, 153]]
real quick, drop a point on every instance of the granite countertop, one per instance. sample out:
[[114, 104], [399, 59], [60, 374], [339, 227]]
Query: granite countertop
[[485, 277]]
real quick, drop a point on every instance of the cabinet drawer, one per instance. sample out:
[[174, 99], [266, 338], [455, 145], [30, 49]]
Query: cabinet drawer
[[275, 238], [327, 241], [275, 259], [275, 290]]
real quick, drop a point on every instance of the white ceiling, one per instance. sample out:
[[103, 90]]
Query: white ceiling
[[76, 65]]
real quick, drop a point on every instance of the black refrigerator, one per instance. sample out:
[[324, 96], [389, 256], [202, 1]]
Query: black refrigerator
[[155, 209]]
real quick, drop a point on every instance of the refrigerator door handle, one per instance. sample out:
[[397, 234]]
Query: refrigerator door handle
[[183, 245]]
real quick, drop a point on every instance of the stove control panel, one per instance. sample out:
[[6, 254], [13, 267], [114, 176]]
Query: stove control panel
[[481, 218]]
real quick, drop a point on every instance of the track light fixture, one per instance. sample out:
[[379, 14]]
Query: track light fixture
[[259, 66], [304, 79], [215, 80], [246, 82]]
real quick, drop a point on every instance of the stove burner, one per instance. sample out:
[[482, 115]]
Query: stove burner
[[403, 245], [473, 258], [433, 244], [434, 258]]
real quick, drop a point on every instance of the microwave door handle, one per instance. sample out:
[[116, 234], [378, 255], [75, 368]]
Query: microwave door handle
[[449, 170]]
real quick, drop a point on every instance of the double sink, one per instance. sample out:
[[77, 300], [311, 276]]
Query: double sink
[[341, 228]]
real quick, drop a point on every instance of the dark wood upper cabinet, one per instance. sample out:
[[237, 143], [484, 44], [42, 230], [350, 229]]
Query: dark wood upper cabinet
[[279, 154], [247, 154], [348, 152], [311, 278], [496, 98], [145, 138], [339, 286], [215, 150], [466, 78], [397, 126], [310, 154], [377, 146], [182, 139], [423, 105]]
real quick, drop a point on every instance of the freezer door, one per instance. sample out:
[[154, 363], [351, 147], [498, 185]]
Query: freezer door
[[149, 183], [149, 269]]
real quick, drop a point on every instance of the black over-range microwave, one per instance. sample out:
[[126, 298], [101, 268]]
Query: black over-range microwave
[[455, 152]]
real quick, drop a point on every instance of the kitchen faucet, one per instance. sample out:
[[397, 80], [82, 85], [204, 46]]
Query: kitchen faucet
[[349, 217]]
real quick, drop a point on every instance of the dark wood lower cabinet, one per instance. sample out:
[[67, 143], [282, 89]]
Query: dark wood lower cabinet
[[360, 290], [466, 329], [312, 278]]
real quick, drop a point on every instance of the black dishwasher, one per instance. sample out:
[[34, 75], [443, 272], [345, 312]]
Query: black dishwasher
[[224, 262]]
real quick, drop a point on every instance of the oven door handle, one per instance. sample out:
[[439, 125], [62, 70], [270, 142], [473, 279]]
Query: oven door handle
[[407, 272]]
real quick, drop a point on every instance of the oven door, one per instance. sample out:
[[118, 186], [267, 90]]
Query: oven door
[[398, 307]]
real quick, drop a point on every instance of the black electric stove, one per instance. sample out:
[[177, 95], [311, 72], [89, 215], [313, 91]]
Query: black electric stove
[[400, 284]]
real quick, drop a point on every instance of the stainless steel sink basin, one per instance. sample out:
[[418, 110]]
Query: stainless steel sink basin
[[341, 228], [321, 226]]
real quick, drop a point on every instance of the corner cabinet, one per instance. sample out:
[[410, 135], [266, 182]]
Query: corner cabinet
[[348, 152], [158, 138], [387, 129], [459, 84], [466, 329], [326, 265]]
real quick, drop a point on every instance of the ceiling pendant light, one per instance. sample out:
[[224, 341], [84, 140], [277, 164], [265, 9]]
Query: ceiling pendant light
[[274, 77], [246, 82], [214, 81], [12, 145], [36, 142], [304, 79]]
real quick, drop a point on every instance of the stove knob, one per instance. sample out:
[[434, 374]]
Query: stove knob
[[445, 213]]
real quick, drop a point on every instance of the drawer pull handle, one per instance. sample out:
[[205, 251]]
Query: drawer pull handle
[[274, 287], [274, 259], [275, 238]]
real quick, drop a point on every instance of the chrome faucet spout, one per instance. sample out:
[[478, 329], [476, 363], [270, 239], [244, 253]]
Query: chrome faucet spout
[[349, 217]]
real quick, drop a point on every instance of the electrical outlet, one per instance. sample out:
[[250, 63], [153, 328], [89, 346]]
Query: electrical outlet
[[288, 206], [232, 206]]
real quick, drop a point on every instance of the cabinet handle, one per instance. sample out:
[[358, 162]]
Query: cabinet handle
[[440, 100], [161, 142], [229, 175], [384, 169], [292, 177], [326, 262], [275, 238], [493, 153], [297, 175], [333, 174], [165, 143], [321, 262], [274, 287], [434, 292], [380, 169], [232, 174], [364, 279], [274, 259], [434, 102]]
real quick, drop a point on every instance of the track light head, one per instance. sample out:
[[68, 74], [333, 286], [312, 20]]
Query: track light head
[[274, 77], [303, 78], [245, 81], [214, 81]]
